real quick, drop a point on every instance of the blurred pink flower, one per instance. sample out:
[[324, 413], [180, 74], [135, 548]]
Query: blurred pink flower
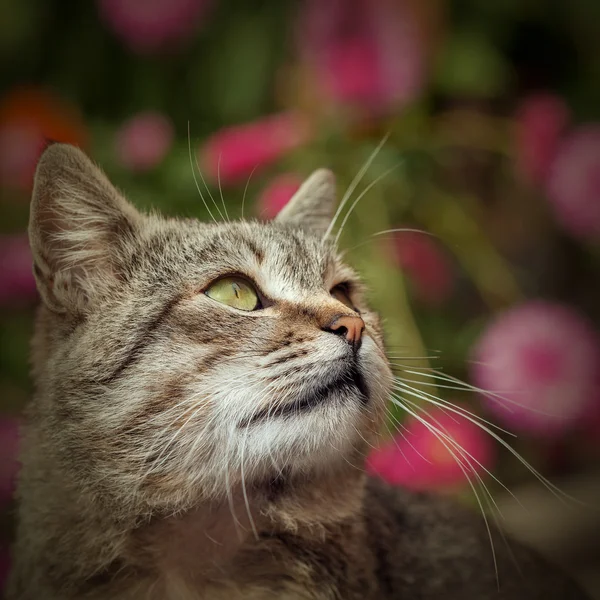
[[144, 140], [418, 460], [540, 122], [426, 266], [150, 25], [574, 182], [277, 194], [236, 151], [367, 53], [542, 359], [9, 466], [17, 284]]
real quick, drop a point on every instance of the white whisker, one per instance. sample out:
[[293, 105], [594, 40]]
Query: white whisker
[[357, 179], [462, 468], [358, 199], [246, 189], [194, 175], [220, 189], [450, 406]]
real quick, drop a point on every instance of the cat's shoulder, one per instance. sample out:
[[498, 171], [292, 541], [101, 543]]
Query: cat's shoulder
[[430, 545]]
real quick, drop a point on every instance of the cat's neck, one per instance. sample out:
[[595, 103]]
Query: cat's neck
[[201, 545]]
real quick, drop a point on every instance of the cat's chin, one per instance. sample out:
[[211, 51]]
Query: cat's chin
[[307, 438]]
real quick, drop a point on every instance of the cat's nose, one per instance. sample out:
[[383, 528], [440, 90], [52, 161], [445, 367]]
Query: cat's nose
[[350, 327]]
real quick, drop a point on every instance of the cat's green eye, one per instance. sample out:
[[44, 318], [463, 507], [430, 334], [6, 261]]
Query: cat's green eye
[[341, 294], [235, 292]]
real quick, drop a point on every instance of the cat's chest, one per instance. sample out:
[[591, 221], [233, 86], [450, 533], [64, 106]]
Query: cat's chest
[[256, 572], [209, 556], [284, 567], [180, 590]]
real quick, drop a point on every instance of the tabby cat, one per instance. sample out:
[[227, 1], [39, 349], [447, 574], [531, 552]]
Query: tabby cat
[[205, 397]]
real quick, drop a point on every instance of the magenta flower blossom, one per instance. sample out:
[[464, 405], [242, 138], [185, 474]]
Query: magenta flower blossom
[[17, 284], [151, 25], [426, 266], [9, 466], [365, 53], [541, 121], [574, 182], [277, 194], [418, 460], [144, 141], [541, 360], [234, 152]]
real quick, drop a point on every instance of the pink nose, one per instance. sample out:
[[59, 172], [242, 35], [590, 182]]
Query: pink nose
[[350, 327]]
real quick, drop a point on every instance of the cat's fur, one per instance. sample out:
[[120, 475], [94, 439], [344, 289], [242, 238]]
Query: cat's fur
[[158, 460]]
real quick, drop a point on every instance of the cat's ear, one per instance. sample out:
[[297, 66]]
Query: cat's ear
[[312, 206], [78, 223]]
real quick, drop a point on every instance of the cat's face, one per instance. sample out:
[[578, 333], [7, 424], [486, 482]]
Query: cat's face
[[181, 358]]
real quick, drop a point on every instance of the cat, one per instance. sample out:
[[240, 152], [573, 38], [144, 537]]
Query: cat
[[205, 396]]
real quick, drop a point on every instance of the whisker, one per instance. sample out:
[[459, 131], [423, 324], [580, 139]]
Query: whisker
[[471, 457], [449, 405], [405, 230], [405, 438], [358, 199], [244, 491], [208, 189], [465, 473], [246, 188], [491, 394], [556, 491], [194, 175], [406, 357], [219, 182], [357, 179], [229, 492], [446, 387], [388, 232]]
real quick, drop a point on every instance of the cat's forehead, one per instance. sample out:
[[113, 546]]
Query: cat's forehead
[[277, 256]]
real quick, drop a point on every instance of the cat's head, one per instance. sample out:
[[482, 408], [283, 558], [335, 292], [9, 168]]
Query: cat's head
[[175, 358]]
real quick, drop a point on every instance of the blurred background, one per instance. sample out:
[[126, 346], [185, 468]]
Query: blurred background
[[467, 137]]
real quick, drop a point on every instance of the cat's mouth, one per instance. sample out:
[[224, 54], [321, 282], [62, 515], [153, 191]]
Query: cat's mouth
[[350, 382]]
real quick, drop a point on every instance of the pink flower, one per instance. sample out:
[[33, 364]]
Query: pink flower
[[426, 266], [236, 151], [277, 194], [541, 121], [150, 25], [9, 466], [418, 460], [541, 359], [574, 182], [144, 140], [367, 53], [17, 284]]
